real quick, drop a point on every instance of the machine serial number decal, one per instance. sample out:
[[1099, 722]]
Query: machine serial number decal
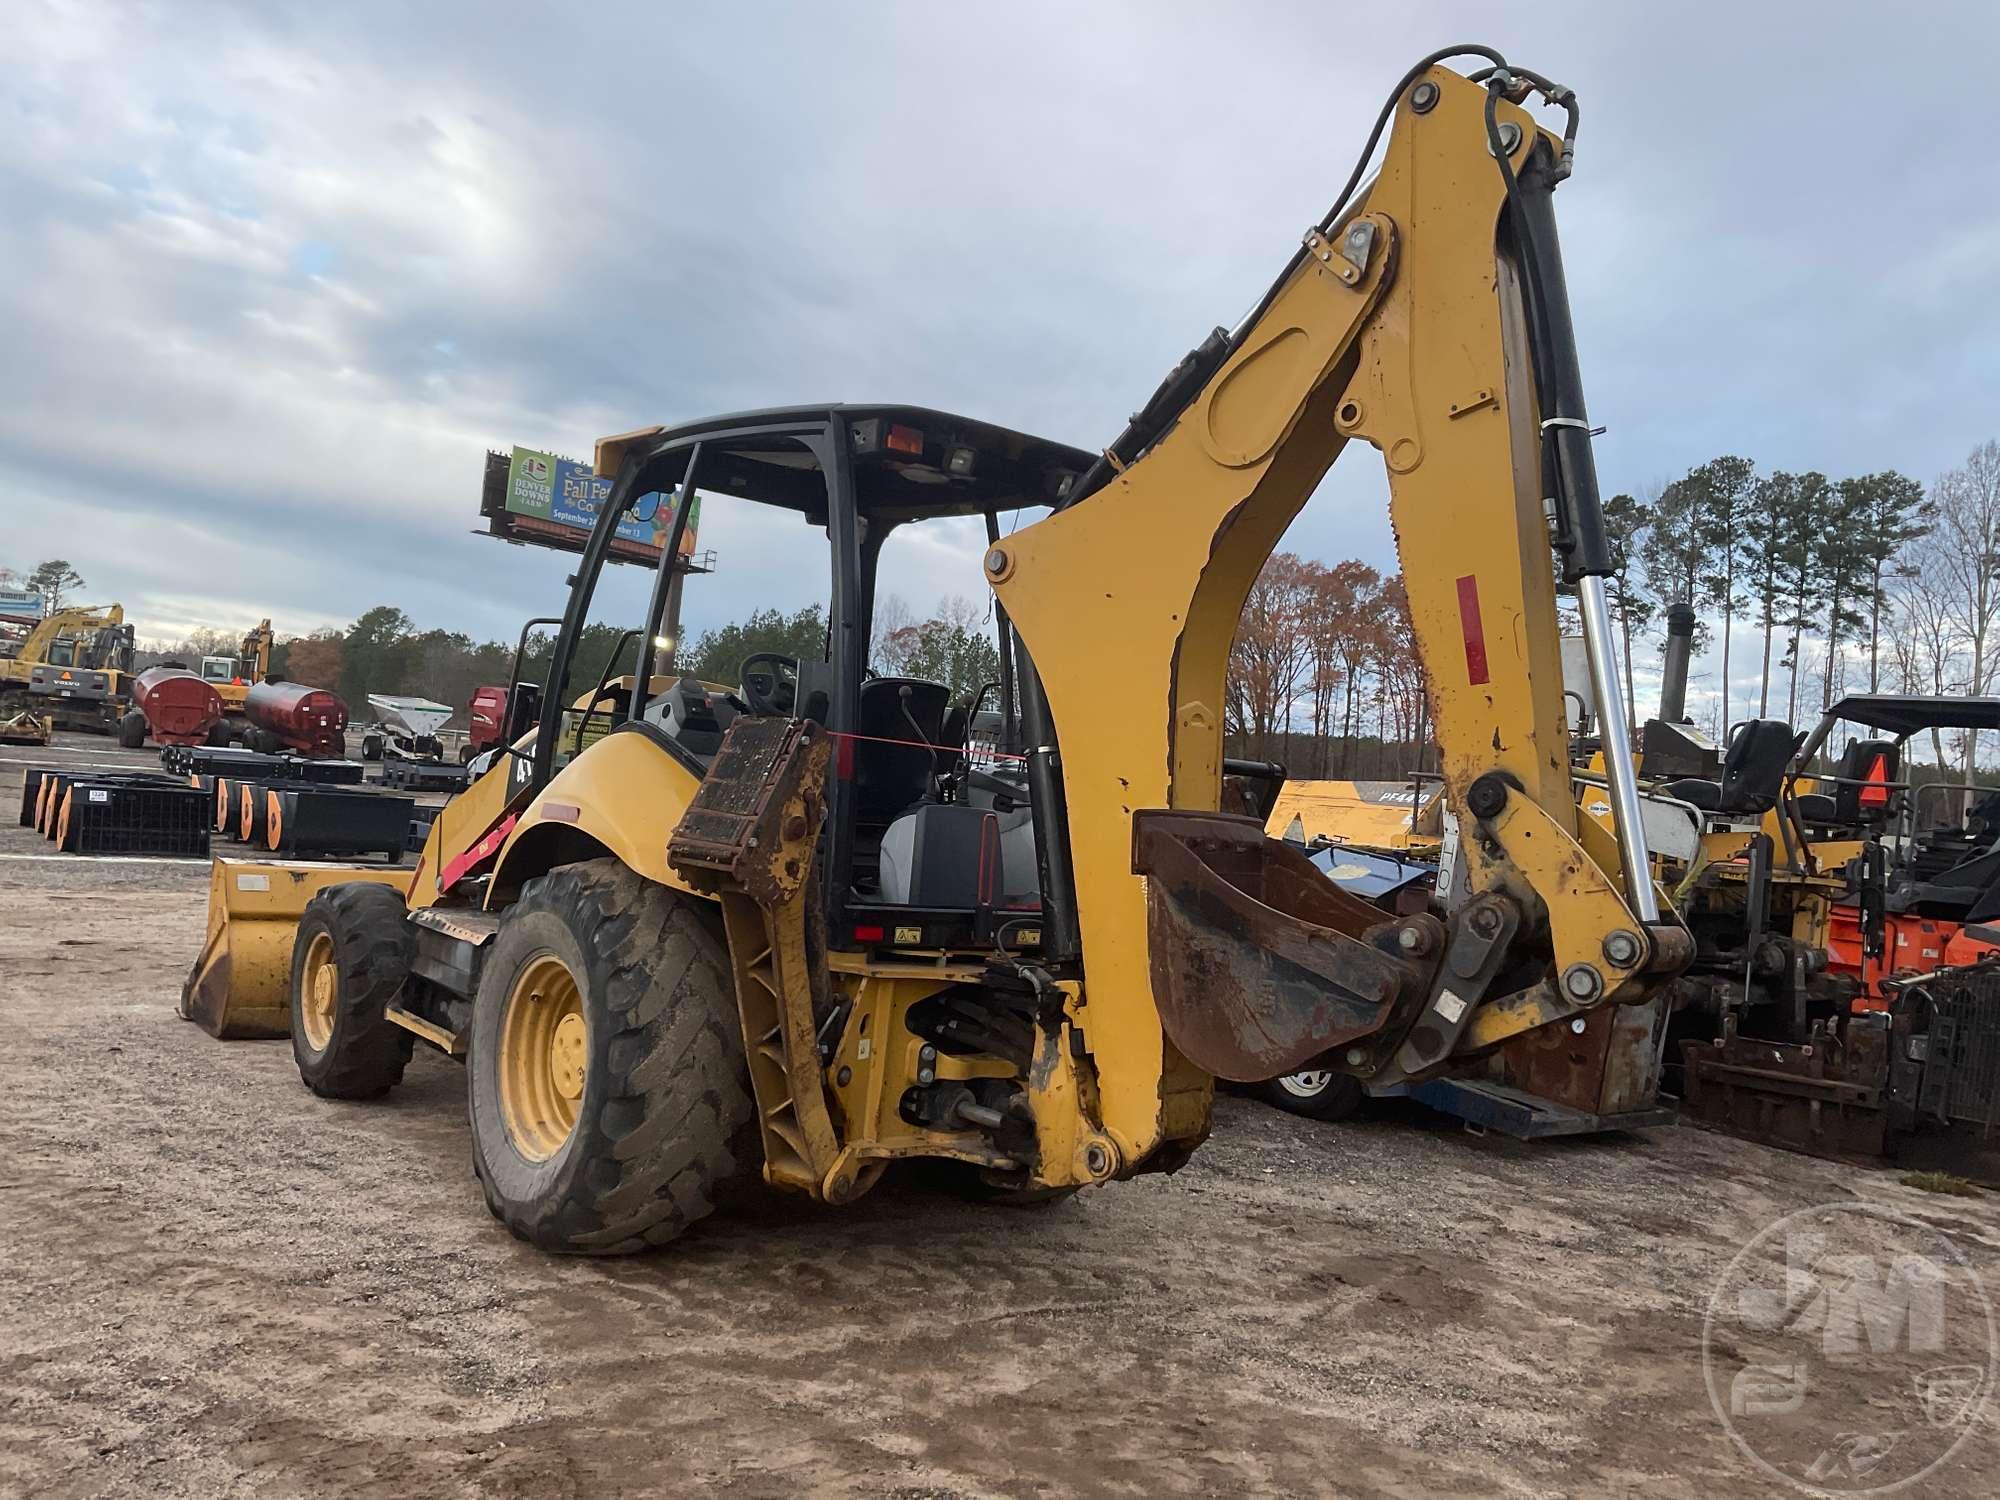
[[253, 882]]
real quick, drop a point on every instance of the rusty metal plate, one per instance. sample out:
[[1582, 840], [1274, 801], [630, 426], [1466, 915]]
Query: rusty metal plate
[[1258, 961], [1824, 1100], [1609, 1067], [739, 818]]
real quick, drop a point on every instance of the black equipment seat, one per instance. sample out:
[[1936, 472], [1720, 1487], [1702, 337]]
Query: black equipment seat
[[1857, 766], [1752, 771], [889, 777], [693, 715]]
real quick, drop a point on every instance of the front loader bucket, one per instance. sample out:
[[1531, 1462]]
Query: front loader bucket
[[240, 985], [1260, 964]]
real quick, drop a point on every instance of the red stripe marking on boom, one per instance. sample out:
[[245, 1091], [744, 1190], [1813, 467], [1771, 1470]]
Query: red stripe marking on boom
[[1474, 629]]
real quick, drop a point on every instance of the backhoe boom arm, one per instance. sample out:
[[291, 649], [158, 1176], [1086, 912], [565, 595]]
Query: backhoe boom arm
[[1429, 321]]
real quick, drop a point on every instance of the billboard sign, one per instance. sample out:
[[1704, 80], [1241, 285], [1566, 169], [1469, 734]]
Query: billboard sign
[[557, 500], [26, 603]]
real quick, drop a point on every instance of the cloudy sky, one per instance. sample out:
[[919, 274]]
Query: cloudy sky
[[276, 276]]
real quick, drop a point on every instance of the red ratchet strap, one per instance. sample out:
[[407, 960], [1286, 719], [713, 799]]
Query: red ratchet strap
[[877, 739]]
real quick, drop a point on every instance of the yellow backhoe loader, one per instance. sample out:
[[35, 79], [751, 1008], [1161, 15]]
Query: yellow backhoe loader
[[678, 935]]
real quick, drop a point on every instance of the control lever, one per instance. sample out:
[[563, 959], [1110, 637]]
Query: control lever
[[910, 718]]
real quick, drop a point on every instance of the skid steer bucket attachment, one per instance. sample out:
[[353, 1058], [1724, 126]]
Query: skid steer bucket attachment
[[1259, 962], [240, 985]]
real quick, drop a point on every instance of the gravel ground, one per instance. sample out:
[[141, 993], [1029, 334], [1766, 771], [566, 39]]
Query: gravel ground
[[214, 1284]]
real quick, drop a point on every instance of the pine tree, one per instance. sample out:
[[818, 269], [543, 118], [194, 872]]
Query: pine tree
[[1726, 485], [1890, 512], [1626, 522], [1806, 556], [1676, 555], [1773, 533]]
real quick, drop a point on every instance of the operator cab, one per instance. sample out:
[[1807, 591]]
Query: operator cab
[[931, 839]]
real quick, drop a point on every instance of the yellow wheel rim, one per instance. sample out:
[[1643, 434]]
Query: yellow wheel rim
[[319, 991], [544, 1044]]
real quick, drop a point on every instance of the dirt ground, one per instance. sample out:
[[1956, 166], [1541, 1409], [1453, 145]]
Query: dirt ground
[[214, 1284]]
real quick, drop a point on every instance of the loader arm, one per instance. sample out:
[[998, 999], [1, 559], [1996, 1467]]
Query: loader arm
[[1415, 319]]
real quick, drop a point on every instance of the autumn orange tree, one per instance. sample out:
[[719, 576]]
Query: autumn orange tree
[[1329, 645]]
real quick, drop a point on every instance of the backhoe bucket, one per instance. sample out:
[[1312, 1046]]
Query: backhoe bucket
[[241, 984], [1260, 964]]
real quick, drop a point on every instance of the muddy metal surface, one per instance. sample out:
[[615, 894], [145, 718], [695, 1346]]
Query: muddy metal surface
[[213, 1284]]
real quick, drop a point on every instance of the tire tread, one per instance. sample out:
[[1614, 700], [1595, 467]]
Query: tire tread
[[667, 1138], [372, 944]]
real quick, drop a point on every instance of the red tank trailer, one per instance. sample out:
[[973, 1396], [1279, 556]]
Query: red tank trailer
[[292, 716], [173, 705]]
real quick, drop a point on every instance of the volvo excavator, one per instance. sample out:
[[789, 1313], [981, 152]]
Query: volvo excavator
[[683, 933], [72, 666]]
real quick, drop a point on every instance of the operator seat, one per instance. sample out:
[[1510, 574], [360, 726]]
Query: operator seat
[[1845, 806], [890, 777], [1752, 770], [689, 713]]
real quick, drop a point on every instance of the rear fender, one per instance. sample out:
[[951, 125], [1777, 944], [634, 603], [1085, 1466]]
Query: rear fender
[[624, 795]]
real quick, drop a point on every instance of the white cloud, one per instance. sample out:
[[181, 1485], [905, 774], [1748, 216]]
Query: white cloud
[[275, 279]]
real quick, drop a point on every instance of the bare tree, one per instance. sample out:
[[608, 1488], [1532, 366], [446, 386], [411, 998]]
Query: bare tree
[[1273, 649], [1924, 645], [1967, 566], [1355, 591]]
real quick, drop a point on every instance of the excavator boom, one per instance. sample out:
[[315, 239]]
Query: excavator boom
[[1425, 316]]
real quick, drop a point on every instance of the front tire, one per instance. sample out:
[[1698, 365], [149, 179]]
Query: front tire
[[1315, 1093], [609, 1095], [349, 962], [132, 730]]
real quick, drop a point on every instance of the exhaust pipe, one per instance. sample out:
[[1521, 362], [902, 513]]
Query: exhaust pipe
[[1674, 667]]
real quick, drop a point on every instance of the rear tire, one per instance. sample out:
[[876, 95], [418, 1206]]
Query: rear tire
[[1316, 1094], [608, 1090], [218, 734], [132, 730], [349, 962]]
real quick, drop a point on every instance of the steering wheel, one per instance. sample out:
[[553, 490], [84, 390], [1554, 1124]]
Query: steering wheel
[[770, 682]]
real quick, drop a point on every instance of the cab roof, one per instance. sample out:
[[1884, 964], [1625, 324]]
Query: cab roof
[[1904, 714], [909, 461]]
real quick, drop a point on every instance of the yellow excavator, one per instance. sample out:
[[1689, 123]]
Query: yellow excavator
[[71, 667], [232, 677], [681, 934]]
